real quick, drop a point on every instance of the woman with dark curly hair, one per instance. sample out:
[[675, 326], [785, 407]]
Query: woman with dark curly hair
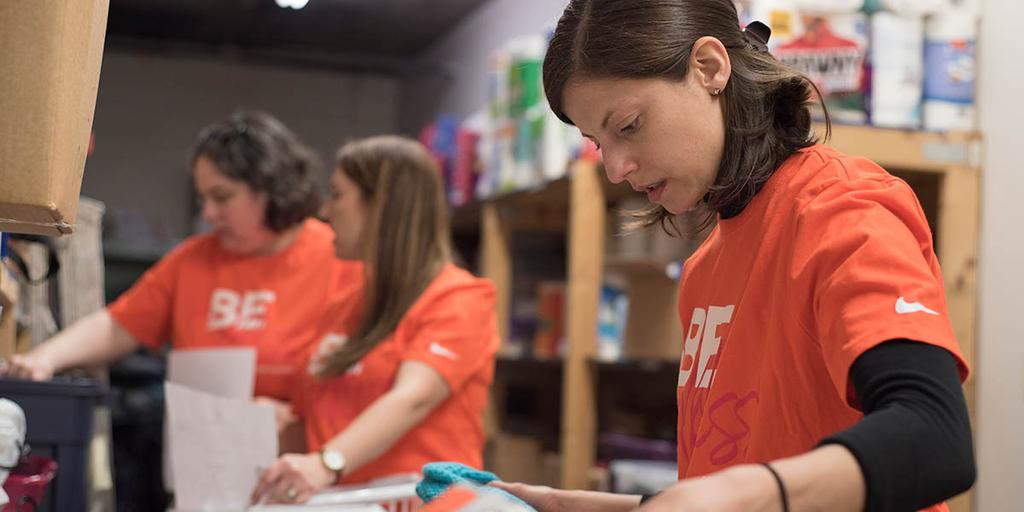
[[260, 278]]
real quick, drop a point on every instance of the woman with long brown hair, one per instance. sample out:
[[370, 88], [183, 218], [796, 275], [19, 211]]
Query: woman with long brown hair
[[401, 375], [819, 368]]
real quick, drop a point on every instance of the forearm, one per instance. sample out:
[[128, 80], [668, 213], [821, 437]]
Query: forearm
[[824, 479], [93, 340], [379, 427], [591, 501]]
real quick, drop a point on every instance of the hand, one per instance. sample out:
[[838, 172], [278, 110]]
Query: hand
[[283, 414], [746, 488], [32, 366], [292, 478], [542, 498]]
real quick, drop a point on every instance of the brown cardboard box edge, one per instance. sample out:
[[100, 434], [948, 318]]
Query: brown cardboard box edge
[[53, 80], [33, 219]]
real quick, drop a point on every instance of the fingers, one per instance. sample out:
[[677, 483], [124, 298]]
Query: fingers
[[25, 367], [531, 494], [267, 481], [17, 368], [283, 483], [290, 489]]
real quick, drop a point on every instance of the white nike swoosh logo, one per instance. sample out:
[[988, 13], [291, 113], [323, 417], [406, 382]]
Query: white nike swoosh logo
[[438, 350], [903, 307]]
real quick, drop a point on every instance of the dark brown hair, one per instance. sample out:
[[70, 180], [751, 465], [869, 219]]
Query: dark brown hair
[[766, 105], [260, 151], [406, 235]]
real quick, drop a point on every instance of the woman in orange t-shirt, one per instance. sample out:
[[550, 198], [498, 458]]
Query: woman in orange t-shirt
[[261, 278], [401, 375], [819, 369]]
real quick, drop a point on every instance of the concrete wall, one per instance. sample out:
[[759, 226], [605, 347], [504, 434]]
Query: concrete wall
[[151, 107]]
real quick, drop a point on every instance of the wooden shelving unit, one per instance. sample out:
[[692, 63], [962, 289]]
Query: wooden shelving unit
[[944, 169]]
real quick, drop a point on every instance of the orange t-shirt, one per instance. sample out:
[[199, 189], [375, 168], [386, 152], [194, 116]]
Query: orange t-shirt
[[452, 327], [832, 257], [202, 296]]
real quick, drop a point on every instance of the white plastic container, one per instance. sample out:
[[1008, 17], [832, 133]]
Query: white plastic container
[[897, 63], [913, 7], [950, 68]]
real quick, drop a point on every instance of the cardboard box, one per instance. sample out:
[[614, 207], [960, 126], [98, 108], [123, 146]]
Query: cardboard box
[[653, 329], [51, 67]]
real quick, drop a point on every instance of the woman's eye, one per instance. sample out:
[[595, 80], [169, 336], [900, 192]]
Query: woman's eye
[[631, 127]]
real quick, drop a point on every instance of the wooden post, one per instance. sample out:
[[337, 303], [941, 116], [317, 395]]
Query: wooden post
[[587, 217], [958, 255], [958, 252], [497, 261], [496, 265]]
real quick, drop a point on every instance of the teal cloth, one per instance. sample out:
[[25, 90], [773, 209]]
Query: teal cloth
[[439, 476]]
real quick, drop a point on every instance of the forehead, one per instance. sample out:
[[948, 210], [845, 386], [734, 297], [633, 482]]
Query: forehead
[[588, 100], [340, 179], [208, 176]]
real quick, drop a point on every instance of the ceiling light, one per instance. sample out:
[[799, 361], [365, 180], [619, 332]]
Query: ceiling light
[[292, 4]]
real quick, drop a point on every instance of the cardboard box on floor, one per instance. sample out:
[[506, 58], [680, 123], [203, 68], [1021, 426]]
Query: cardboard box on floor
[[51, 67]]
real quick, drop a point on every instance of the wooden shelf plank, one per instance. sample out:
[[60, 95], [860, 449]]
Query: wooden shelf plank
[[644, 268], [906, 149]]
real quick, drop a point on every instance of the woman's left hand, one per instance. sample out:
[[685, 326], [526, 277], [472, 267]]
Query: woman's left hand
[[746, 488], [293, 478]]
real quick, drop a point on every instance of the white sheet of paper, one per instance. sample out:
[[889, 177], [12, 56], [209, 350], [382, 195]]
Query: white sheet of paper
[[226, 372], [221, 446]]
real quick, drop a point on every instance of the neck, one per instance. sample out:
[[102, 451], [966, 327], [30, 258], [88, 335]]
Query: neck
[[281, 241]]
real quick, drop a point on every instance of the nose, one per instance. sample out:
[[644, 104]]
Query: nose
[[618, 165], [209, 211]]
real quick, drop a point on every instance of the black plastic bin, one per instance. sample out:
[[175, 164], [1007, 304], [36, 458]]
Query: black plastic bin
[[59, 415]]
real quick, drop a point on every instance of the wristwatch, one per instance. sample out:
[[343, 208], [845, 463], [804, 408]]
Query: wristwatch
[[334, 461]]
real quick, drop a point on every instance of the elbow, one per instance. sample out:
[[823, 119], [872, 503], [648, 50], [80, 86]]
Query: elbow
[[964, 474]]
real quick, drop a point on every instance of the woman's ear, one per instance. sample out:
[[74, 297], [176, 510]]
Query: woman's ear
[[710, 64]]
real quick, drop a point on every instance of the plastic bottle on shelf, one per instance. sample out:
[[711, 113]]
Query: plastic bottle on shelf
[[528, 108], [950, 67], [897, 62]]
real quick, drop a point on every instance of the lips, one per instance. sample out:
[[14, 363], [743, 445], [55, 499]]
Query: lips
[[654, 191]]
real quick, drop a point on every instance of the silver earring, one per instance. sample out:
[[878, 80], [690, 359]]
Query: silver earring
[[716, 92]]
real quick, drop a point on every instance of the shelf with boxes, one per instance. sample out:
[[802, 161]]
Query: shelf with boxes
[[942, 168]]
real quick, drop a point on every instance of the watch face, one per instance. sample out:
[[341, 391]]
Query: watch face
[[334, 460]]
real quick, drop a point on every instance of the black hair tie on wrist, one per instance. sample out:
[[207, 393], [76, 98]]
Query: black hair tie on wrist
[[782, 486], [757, 35]]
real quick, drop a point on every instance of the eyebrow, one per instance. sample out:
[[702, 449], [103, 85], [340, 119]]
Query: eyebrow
[[604, 123]]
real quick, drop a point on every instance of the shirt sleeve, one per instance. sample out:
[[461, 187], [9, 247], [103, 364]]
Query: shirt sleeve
[[456, 334], [914, 411], [145, 309], [864, 252]]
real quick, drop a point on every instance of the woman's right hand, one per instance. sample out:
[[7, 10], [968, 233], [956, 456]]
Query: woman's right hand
[[33, 366], [542, 498]]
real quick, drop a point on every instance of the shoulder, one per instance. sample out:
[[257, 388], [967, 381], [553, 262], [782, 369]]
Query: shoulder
[[455, 292], [317, 230], [819, 172], [193, 247]]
